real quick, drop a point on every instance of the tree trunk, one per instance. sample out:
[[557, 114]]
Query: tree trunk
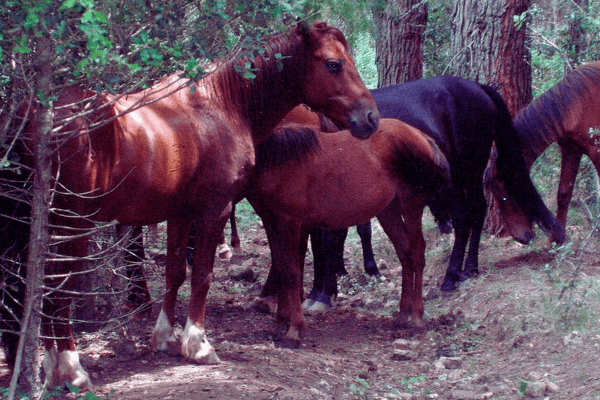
[[489, 44], [27, 362], [399, 46]]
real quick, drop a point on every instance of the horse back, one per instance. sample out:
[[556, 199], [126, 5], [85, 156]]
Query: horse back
[[448, 109], [144, 165]]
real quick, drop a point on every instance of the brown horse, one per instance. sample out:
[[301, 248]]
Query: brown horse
[[182, 155], [305, 178], [568, 114]]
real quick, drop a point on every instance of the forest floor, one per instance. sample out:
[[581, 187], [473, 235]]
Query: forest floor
[[527, 327]]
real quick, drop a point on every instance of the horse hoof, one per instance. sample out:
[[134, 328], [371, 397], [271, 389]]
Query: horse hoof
[[468, 273], [195, 346], [308, 303], [293, 333], [319, 306], [409, 323], [372, 270], [62, 368], [162, 336], [224, 252], [448, 286]]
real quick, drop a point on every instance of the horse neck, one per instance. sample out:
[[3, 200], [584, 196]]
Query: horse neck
[[265, 100], [536, 133]]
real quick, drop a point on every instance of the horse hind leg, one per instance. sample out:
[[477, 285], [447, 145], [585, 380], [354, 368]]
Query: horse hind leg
[[462, 230], [404, 230]]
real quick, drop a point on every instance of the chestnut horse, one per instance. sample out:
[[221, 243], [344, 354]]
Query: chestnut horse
[[568, 114], [305, 178], [464, 118], [181, 151]]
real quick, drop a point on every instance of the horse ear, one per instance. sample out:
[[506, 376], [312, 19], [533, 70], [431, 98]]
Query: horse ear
[[303, 29]]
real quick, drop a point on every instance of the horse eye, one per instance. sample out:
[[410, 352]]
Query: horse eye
[[504, 199], [334, 66]]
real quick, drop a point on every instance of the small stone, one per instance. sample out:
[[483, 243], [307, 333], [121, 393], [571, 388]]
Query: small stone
[[448, 363], [383, 264], [403, 355], [551, 387], [404, 344], [572, 338], [535, 389], [392, 304]]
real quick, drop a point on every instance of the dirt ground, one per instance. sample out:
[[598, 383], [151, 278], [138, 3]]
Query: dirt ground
[[527, 327]]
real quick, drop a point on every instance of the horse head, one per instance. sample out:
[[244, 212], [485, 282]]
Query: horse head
[[332, 84]]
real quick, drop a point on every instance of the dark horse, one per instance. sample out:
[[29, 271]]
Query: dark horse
[[181, 151], [568, 114], [464, 118], [305, 178]]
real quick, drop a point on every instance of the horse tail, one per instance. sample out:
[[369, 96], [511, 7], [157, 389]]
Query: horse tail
[[513, 170]]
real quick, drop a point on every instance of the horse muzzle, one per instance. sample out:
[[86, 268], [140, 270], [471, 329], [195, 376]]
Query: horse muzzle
[[364, 120]]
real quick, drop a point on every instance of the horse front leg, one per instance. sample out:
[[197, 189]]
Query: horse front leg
[[285, 239], [61, 360], [569, 165], [194, 342], [178, 231], [478, 210]]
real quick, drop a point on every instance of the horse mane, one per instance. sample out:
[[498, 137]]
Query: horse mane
[[282, 60], [288, 143], [540, 123]]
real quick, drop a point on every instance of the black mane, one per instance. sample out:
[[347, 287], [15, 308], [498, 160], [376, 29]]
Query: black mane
[[288, 143]]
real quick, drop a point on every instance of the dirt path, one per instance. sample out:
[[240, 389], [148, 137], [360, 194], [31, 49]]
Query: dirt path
[[524, 328]]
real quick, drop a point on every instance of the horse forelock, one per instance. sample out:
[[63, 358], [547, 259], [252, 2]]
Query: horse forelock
[[321, 29], [542, 121], [287, 143]]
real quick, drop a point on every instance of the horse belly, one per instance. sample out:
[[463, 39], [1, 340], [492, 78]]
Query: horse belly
[[342, 197]]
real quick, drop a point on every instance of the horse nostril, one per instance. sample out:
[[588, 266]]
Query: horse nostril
[[373, 118]]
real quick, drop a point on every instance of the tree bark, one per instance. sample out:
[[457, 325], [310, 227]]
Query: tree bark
[[27, 362], [400, 26], [489, 43]]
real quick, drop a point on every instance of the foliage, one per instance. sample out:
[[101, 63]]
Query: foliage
[[114, 43]]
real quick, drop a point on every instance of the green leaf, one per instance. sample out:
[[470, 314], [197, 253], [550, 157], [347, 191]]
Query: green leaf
[[249, 75], [100, 17], [68, 4], [31, 20], [21, 46]]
